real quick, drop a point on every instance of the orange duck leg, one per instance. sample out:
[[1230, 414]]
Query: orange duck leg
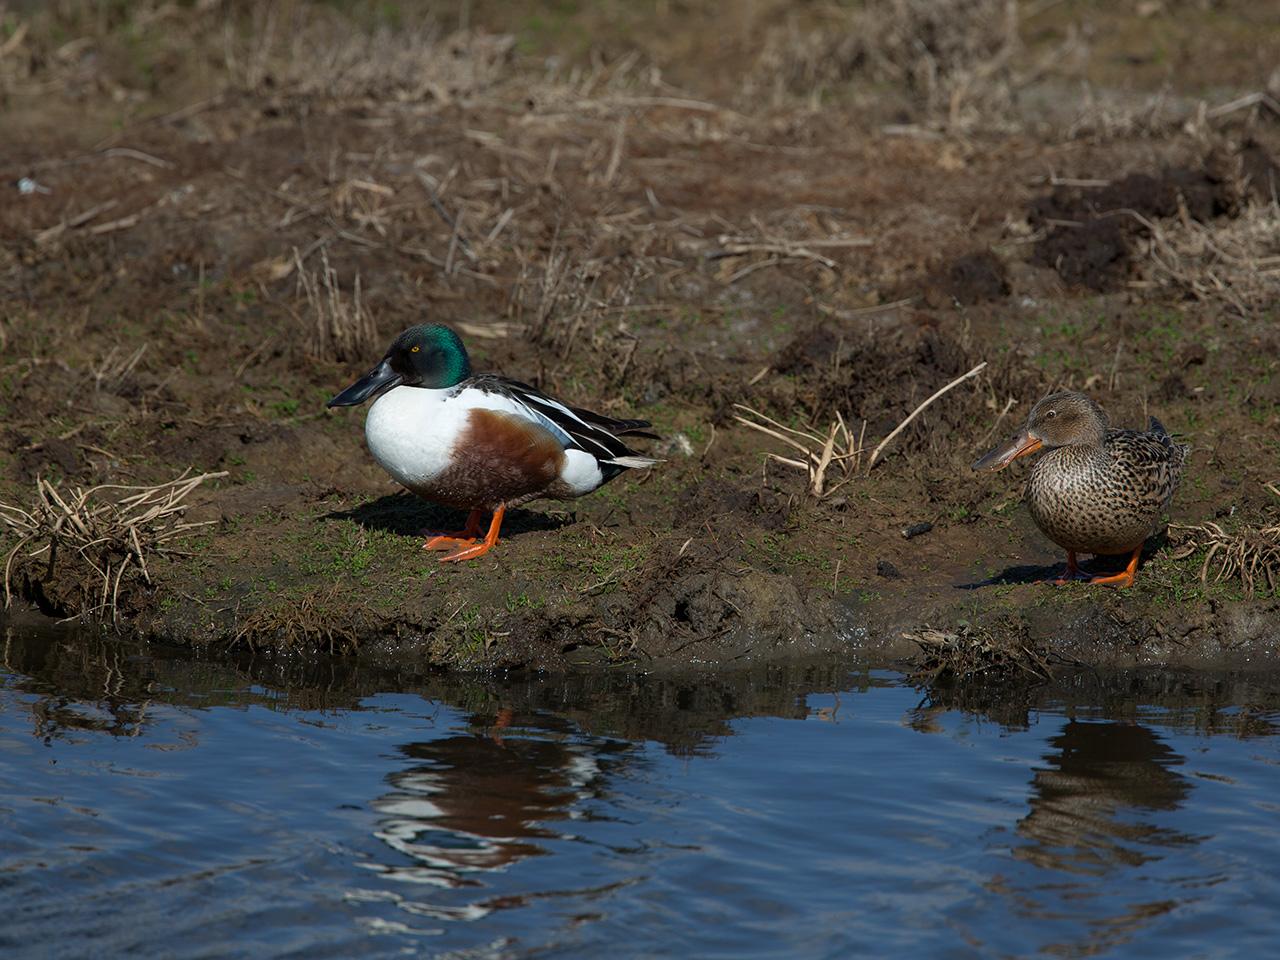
[[1125, 577], [1073, 572], [456, 538], [483, 547]]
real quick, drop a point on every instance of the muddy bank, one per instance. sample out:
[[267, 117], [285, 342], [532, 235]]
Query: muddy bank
[[82, 681], [725, 588], [189, 284]]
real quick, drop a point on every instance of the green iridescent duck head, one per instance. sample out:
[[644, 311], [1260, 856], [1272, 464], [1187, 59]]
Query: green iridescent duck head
[[428, 355]]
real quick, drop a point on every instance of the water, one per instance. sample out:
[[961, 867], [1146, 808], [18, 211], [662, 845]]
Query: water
[[155, 806]]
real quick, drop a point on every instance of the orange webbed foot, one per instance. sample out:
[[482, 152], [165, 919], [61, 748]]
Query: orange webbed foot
[[473, 549], [455, 538], [1073, 573], [1125, 577], [1120, 580], [467, 553], [447, 541]]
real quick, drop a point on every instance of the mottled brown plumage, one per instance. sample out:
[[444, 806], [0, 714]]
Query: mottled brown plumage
[[1096, 490]]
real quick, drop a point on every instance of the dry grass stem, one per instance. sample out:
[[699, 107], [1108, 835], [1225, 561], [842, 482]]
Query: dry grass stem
[[50, 234], [951, 56], [406, 65], [115, 367], [109, 530], [836, 453], [1251, 555], [1257, 98], [875, 454], [1235, 261], [1004, 412], [779, 252], [341, 328], [964, 655]]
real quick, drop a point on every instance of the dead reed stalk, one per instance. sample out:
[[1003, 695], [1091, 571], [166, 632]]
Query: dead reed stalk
[[104, 534], [838, 454], [341, 327], [1251, 555], [875, 454]]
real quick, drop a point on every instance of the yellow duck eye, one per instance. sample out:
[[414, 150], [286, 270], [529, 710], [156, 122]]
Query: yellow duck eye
[[414, 349]]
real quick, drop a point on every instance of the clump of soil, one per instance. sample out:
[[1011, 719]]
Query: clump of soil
[[1094, 254], [969, 279], [62, 454], [1091, 231], [880, 376], [1259, 171]]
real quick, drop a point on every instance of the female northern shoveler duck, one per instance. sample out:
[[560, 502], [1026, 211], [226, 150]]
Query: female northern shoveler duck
[[1096, 490], [480, 442]]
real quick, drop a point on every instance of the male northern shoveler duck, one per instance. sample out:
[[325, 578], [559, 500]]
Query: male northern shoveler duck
[[480, 442], [1097, 490]]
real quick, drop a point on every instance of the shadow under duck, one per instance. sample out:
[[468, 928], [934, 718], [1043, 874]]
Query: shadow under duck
[[1096, 490]]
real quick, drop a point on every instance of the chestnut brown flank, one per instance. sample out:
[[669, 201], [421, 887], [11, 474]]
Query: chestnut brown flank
[[499, 458]]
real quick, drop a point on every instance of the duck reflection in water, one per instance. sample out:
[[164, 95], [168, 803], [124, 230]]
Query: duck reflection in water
[[1081, 809], [479, 802], [1091, 816]]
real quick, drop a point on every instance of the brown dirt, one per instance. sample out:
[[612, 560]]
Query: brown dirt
[[646, 250], [1091, 233], [970, 279]]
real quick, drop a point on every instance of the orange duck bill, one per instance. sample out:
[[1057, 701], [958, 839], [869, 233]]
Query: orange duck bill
[[1021, 444]]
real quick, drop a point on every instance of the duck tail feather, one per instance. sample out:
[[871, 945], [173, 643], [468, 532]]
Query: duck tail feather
[[633, 461]]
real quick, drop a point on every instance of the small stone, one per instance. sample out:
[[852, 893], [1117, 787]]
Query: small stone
[[886, 569], [28, 186]]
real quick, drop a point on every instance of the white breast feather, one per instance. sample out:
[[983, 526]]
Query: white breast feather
[[411, 432]]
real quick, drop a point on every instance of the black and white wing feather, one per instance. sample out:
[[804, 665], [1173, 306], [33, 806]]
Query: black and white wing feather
[[577, 429]]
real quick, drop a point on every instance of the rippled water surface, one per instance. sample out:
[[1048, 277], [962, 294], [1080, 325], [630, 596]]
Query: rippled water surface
[[153, 806]]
